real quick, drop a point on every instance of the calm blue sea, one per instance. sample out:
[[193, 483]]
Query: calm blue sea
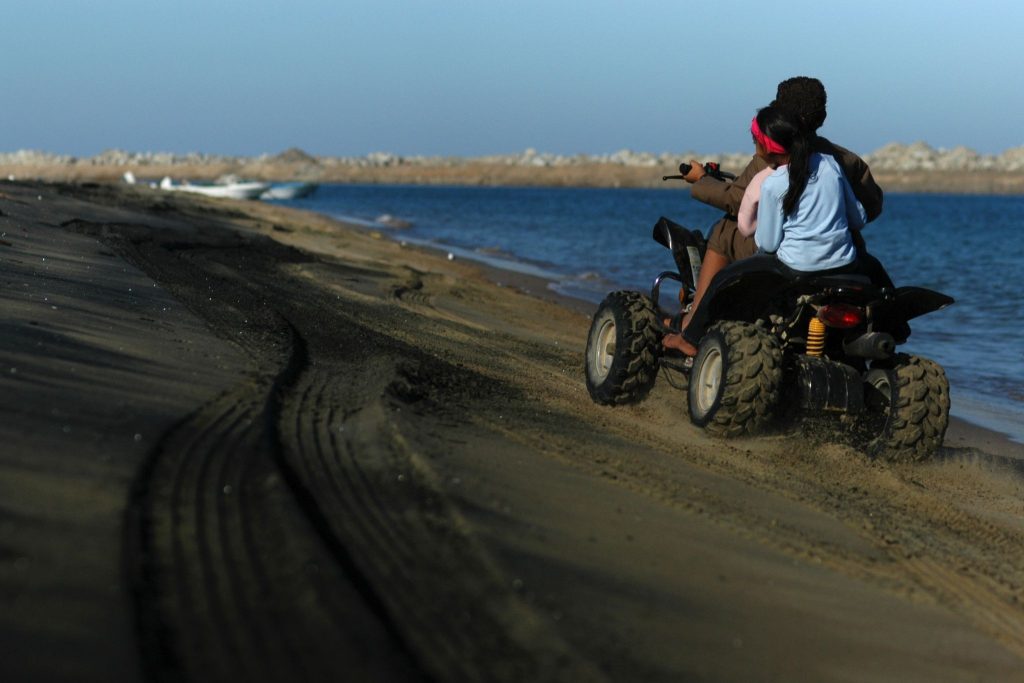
[[591, 241]]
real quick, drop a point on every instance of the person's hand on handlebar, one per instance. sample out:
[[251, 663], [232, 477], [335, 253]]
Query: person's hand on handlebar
[[695, 173]]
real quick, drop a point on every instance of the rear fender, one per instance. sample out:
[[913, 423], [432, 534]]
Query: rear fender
[[906, 304], [746, 289]]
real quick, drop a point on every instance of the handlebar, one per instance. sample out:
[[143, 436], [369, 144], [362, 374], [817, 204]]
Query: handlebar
[[711, 168]]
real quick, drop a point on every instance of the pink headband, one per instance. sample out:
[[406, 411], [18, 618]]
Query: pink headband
[[769, 145]]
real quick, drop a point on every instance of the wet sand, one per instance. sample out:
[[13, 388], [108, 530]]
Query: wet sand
[[248, 443]]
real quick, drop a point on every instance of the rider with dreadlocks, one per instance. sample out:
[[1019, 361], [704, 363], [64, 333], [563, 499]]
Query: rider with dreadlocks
[[806, 99]]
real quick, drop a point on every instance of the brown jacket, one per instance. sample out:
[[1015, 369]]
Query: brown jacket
[[726, 240]]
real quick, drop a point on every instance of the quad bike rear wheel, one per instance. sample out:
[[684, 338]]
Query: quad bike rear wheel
[[736, 379], [622, 349], [907, 409]]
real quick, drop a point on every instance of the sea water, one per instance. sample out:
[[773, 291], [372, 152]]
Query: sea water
[[592, 241]]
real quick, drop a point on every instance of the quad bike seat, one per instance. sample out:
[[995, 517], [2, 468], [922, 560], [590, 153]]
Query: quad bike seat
[[848, 281]]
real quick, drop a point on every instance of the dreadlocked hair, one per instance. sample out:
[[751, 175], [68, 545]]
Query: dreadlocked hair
[[782, 126], [805, 97]]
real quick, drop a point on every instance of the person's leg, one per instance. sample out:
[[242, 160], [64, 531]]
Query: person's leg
[[712, 265], [771, 274], [726, 245], [676, 342], [716, 257]]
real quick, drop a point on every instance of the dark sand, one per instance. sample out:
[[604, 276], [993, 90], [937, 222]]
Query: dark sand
[[247, 443]]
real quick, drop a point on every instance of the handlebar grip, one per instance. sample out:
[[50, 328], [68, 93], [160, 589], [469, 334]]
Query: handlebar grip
[[711, 169], [684, 168]]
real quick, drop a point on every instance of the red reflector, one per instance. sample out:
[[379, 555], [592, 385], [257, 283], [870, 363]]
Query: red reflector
[[840, 315]]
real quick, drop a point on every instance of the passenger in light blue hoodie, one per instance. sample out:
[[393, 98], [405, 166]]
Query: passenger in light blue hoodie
[[807, 208], [806, 212]]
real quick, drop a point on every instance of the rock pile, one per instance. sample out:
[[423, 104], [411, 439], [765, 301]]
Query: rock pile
[[894, 157], [919, 156]]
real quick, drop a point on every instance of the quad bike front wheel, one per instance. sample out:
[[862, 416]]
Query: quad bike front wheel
[[736, 379], [622, 349], [907, 409]]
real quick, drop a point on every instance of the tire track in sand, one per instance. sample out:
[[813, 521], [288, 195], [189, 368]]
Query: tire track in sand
[[380, 501], [377, 522], [231, 580], [205, 559], [234, 583]]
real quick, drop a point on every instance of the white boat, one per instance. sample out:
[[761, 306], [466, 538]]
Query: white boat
[[296, 190], [233, 190]]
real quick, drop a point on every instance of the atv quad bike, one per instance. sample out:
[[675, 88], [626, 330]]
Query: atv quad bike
[[774, 347]]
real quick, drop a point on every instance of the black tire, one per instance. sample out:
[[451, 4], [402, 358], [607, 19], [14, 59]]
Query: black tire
[[736, 380], [907, 409], [622, 349]]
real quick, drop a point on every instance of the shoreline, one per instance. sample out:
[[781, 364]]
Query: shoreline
[[963, 430], [980, 419], [239, 431], [478, 173], [980, 415]]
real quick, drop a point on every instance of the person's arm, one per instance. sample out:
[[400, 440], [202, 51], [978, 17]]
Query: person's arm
[[769, 220], [746, 217], [726, 195], [867, 191]]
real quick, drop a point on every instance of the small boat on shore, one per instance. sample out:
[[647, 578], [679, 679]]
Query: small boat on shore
[[231, 190], [296, 190]]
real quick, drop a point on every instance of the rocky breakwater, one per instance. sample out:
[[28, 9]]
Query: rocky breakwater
[[898, 167], [921, 168], [111, 165]]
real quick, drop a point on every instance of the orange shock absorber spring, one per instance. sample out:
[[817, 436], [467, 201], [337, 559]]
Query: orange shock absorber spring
[[815, 337]]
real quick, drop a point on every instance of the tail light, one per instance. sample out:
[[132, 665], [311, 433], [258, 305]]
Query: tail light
[[842, 316]]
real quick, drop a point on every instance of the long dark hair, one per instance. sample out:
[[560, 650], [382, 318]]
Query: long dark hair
[[784, 128]]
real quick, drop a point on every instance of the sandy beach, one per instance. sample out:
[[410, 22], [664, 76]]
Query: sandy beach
[[243, 442]]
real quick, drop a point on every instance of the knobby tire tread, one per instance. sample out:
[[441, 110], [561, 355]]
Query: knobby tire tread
[[753, 381], [920, 413], [636, 366]]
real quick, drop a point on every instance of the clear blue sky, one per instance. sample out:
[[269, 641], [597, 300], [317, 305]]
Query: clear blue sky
[[348, 77]]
